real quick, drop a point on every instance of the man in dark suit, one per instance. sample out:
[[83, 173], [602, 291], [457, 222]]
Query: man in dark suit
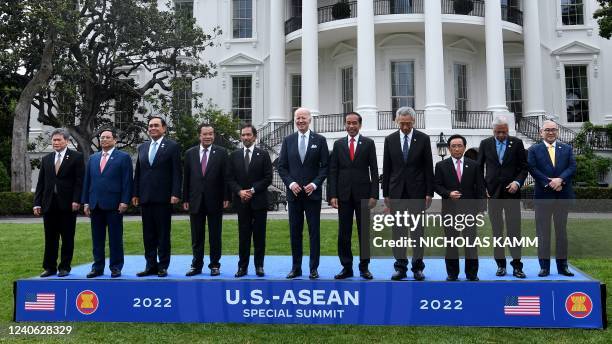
[[303, 167], [249, 175], [408, 184], [353, 178], [57, 198], [459, 181], [503, 160], [157, 186], [552, 165], [107, 190], [205, 196]]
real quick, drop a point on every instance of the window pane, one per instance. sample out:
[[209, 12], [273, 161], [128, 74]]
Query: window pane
[[402, 84], [514, 92], [576, 93], [242, 18], [461, 87], [242, 107]]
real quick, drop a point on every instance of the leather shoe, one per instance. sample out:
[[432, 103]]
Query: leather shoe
[[63, 273], [94, 273], [47, 273], [294, 273], [215, 272], [115, 273], [366, 274], [162, 273], [314, 274], [193, 272], [147, 272], [518, 273], [473, 278], [345, 273], [565, 272], [543, 273], [419, 276], [241, 272], [501, 271], [259, 271], [451, 278], [398, 275]]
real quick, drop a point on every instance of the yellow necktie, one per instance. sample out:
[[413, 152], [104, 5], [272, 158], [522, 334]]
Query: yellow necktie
[[551, 153]]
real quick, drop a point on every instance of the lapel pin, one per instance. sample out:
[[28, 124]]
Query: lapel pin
[[257, 153], [313, 146]]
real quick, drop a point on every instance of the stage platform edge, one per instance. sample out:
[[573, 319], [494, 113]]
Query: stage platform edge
[[555, 302]]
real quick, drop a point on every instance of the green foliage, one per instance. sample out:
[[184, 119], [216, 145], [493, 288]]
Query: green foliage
[[589, 165], [16, 203], [604, 18], [5, 179]]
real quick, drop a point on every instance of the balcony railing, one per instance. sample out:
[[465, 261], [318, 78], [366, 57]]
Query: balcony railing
[[513, 15], [337, 11], [383, 7], [599, 139], [386, 120], [464, 7], [293, 24], [471, 119], [328, 123]]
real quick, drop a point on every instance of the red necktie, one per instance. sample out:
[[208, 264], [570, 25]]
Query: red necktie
[[352, 149], [103, 163], [459, 170]]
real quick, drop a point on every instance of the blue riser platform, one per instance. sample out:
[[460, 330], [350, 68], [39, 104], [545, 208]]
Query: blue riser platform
[[563, 302]]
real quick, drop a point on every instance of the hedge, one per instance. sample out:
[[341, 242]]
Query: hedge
[[592, 199]]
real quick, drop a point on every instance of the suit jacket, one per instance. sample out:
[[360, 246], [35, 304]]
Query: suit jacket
[[359, 176], [110, 187], [68, 182], [158, 182], [312, 170], [259, 177], [512, 168], [209, 188], [541, 168], [414, 176], [471, 186]]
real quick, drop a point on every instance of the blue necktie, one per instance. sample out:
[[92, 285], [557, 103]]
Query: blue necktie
[[405, 148], [152, 152], [302, 147], [500, 152]]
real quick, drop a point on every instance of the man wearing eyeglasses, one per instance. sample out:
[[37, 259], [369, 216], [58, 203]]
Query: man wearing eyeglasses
[[553, 166]]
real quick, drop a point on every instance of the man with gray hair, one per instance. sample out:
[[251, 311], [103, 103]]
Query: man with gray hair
[[503, 160], [57, 197], [408, 184]]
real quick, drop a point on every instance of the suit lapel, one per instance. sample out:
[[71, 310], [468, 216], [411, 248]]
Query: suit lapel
[[311, 142], [358, 146], [64, 162], [145, 152], [160, 150], [109, 160]]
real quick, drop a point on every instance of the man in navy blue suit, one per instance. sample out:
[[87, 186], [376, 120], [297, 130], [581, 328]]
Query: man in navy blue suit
[[303, 167], [552, 165], [107, 189], [157, 186]]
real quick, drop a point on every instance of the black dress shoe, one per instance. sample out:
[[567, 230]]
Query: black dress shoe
[[366, 274], [115, 273], [314, 274], [294, 273], [259, 271], [47, 273], [543, 273], [162, 273], [518, 273], [501, 272], [147, 272], [419, 276], [215, 272], [473, 278], [241, 272], [345, 273], [565, 272], [63, 273], [193, 272], [94, 273], [398, 275], [452, 278]]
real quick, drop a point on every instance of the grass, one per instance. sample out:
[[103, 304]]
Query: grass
[[21, 247]]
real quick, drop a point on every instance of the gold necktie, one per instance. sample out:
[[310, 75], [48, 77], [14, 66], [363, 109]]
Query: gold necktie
[[58, 163], [551, 153]]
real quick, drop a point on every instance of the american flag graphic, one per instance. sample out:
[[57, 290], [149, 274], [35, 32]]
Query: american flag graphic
[[522, 305], [40, 302]]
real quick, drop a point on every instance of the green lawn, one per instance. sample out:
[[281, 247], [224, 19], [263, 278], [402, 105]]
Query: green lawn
[[21, 247]]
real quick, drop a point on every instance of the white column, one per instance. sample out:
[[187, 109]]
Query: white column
[[366, 65], [310, 57], [533, 84], [437, 114], [496, 92], [276, 92]]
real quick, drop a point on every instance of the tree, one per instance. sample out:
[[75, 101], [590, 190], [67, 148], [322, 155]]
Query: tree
[[100, 48], [604, 18]]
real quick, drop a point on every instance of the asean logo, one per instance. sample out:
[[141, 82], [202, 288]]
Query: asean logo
[[87, 302], [578, 305]]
